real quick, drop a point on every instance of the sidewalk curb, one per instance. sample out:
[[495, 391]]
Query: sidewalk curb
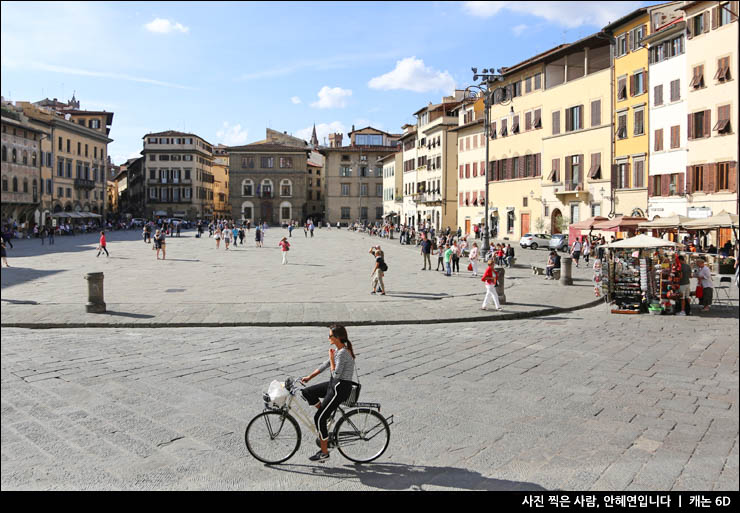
[[152, 325]]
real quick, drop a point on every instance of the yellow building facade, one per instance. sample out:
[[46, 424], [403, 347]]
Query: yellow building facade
[[630, 99]]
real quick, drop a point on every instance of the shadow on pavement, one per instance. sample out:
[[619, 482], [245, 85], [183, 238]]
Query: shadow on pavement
[[69, 243], [18, 275], [125, 314], [397, 476], [409, 296], [17, 302]]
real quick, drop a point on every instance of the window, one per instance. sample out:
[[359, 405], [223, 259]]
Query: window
[[675, 136], [575, 215], [379, 189], [595, 209], [699, 124], [637, 84], [504, 131], [623, 176], [537, 81], [574, 118], [556, 122], [555, 172], [622, 45], [723, 70], [537, 119], [639, 178], [723, 120], [247, 188], [675, 90], [723, 176], [286, 188], [639, 121], [363, 212], [697, 178], [697, 81], [696, 25], [658, 95], [594, 172], [267, 162], [345, 213], [363, 189], [347, 171], [528, 85], [368, 140], [622, 88], [658, 146], [286, 162], [595, 113], [266, 186], [345, 189]]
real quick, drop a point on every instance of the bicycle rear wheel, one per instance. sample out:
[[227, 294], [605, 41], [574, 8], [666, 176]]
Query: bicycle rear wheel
[[272, 437], [362, 435]]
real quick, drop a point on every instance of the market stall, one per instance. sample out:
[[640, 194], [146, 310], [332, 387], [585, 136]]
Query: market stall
[[620, 224], [640, 274], [575, 229]]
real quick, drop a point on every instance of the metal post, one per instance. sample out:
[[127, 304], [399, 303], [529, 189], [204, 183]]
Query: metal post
[[486, 130]]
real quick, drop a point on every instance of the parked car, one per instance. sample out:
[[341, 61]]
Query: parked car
[[534, 240], [559, 242], [138, 221]]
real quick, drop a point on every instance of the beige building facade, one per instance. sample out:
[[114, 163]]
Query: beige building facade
[[220, 169], [178, 176], [471, 166]]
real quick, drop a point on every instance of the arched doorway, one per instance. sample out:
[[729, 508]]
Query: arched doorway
[[555, 221]]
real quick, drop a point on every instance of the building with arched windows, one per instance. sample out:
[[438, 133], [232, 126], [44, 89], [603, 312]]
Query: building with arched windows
[[269, 180], [21, 174]]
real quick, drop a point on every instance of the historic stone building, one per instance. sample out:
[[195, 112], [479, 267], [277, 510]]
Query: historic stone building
[[21, 170], [179, 176], [354, 175]]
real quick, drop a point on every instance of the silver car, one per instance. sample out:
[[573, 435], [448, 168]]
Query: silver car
[[534, 240], [559, 242]]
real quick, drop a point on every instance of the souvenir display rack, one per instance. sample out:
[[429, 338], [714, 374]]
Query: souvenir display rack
[[630, 283]]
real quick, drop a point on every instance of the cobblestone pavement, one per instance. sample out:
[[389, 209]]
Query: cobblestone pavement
[[327, 280], [580, 401]]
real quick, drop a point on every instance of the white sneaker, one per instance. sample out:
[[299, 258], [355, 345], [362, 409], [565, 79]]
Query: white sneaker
[[682, 314]]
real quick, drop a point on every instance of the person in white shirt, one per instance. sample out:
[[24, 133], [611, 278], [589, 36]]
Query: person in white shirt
[[474, 258], [575, 251], [704, 275]]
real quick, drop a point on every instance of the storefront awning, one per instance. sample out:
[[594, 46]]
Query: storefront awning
[[620, 224]]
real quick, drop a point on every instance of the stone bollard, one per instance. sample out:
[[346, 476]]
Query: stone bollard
[[95, 300], [566, 264], [501, 272]]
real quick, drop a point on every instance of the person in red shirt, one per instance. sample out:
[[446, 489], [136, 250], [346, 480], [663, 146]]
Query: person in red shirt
[[285, 247], [101, 246], [490, 278]]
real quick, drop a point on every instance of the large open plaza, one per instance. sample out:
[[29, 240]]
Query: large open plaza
[[580, 400]]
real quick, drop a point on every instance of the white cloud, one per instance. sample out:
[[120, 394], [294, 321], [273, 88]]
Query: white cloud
[[164, 26], [565, 14], [322, 131], [412, 75], [332, 98], [519, 29], [295, 100], [232, 135]]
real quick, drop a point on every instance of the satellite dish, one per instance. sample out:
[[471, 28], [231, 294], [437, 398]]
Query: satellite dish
[[67, 117]]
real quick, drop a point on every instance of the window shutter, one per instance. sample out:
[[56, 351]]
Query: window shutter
[[627, 175], [461, 170], [706, 177], [595, 113], [627, 42], [553, 171], [528, 121], [580, 117], [658, 95], [706, 21], [651, 186], [732, 178], [568, 120], [715, 17], [568, 169], [680, 180], [645, 81], [734, 7], [537, 122], [556, 122], [658, 140], [712, 177], [493, 130], [707, 123], [665, 182], [615, 175], [690, 124], [537, 164], [690, 29], [632, 85]]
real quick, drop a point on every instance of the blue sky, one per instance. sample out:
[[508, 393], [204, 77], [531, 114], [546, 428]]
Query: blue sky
[[228, 70]]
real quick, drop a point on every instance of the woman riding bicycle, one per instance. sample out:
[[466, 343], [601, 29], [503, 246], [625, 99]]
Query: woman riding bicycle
[[334, 392]]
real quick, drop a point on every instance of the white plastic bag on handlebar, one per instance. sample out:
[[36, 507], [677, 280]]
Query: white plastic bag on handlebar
[[277, 392]]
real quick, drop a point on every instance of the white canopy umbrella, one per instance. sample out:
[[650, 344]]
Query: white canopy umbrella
[[643, 241], [722, 220], [674, 221]]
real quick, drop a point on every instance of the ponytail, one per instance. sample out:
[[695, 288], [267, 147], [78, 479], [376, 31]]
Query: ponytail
[[340, 332]]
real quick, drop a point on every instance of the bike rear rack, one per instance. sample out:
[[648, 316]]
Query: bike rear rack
[[375, 406]]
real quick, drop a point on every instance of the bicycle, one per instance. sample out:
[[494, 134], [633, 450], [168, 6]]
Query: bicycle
[[361, 434]]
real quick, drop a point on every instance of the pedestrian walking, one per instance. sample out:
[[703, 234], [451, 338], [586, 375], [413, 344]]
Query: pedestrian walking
[[284, 247], [448, 259], [3, 254], [490, 278], [257, 236], [586, 250], [50, 234], [101, 246], [241, 236], [217, 236], [227, 237], [235, 233], [160, 243], [378, 273], [473, 256], [426, 252], [575, 250]]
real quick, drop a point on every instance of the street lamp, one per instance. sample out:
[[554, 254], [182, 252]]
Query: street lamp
[[487, 89]]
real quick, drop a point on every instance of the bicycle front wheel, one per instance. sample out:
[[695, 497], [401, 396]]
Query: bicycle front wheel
[[362, 435], [273, 437]]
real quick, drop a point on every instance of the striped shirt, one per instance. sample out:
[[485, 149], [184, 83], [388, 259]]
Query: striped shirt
[[345, 365]]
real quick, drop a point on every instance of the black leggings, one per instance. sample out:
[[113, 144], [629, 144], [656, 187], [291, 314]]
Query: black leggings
[[103, 248], [334, 392]]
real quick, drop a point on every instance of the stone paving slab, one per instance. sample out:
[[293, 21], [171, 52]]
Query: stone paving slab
[[327, 280], [520, 405]]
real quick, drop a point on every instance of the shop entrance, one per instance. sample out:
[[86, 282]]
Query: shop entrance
[[525, 223]]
